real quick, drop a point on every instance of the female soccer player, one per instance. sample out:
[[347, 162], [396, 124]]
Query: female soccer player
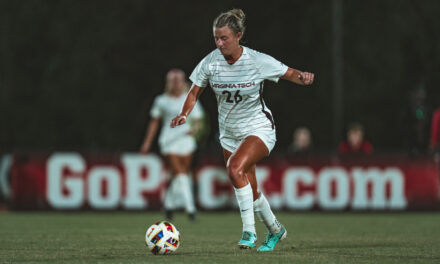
[[247, 132], [176, 145]]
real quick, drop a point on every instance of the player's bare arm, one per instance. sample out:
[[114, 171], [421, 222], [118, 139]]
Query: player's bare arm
[[299, 77], [188, 106], [151, 133]]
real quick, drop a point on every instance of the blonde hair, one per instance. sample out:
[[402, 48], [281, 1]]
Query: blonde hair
[[233, 18], [168, 76]]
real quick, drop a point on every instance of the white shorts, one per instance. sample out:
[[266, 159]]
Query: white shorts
[[183, 145], [267, 136]]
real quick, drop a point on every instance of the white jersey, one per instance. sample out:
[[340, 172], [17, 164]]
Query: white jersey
[[238, 89], [167, 107]]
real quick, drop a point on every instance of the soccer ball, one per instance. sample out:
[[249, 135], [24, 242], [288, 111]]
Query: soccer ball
[[162, 238]]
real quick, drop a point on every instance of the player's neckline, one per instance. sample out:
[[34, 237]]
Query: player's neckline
[[239, 58], [173, 97]]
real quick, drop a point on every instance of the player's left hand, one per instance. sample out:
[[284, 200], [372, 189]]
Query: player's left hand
[[306, 78]]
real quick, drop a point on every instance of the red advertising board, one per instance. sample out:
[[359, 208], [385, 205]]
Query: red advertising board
[[71, 181]]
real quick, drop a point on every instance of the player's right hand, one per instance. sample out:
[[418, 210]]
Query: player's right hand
[[178, 120]]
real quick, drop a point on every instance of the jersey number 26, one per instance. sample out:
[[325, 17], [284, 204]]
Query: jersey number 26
[[237, 97]]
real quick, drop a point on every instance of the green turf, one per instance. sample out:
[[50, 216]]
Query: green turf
[[312, 238]]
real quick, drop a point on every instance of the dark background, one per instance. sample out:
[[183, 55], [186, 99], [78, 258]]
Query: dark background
[[82, 75]]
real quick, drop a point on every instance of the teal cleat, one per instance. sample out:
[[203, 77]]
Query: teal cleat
[[272, 240], [247, 241]]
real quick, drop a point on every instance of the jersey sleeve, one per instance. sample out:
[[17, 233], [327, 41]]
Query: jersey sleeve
[[156, 111], [197, 111], [200, 75], [270, 68]]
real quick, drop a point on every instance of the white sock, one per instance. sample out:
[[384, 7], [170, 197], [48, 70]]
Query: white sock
[[244, 199], [170, 196], [184, 184], [265, 214]]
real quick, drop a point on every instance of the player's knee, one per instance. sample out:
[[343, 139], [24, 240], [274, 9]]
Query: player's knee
[[235, 171]]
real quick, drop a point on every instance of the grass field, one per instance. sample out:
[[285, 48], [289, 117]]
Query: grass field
[[312, 238]]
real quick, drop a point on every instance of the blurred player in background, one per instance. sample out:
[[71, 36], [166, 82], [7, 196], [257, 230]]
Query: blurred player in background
[[247, 131], [176, 145]]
